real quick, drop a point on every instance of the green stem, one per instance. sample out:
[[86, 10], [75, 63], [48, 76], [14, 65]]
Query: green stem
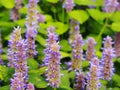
[[103, 28]]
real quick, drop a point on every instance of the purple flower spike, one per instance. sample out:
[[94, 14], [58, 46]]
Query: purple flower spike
[[110, 5], [31, 25], [77, 53], [18, 4], [14, 38], [90, 53], [107, 57], [1, 62], [93, 77], [68, 5], [80, 82], [74, 30], [52, 59]]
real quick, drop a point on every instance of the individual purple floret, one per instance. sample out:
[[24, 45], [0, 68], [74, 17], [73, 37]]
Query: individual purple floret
[[90, 53], [68, 5], [52, 59], [1, 62], [31, 25], [80, 82], [41, 18], [110, 5], [74, 30], [77, 53], [93, 75], [14, 39], [107, 57]]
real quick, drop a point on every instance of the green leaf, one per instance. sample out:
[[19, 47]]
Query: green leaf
[[79, 15], [115, 26], [23, 10], [33, 64], [64, 44], [89, 2], [37, 80], [64, 54], [52, 1], [115, 16], [40, 40], [116, 78], [60, 27], [7, 87], [65, 79], [8, 3], [97, 14]]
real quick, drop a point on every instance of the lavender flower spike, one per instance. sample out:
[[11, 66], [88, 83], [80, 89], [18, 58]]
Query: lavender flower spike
[[52, 38], [31, 25], [14, 38], [52, 59], [80, 82], [20, 65], [90, 53], [77, 53], [1, 62], [107, 57], [110, 5], [74, 30], [93, 82], [68, 5]]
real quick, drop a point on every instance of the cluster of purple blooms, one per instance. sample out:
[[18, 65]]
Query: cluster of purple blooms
[[111, 5], [52, 58], [20, 49]]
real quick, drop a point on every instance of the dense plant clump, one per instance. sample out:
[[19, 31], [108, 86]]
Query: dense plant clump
[[59, 44]]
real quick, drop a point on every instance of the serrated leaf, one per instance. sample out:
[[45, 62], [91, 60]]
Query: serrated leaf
[[89, 2], [64, 54], [60, 27], [115, 26], [8, 3], [32, 64], [97, 14], [64, 44], [79, 15], [40, 40], [38, 81]]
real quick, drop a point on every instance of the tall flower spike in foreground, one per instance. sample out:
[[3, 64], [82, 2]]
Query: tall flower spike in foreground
[[77, 53], [52, 38], [93, 75], [14, 38], [80, 82], [20, 65], [107, 57], [90, 53], [31, 25], [74, 30], [68, 5], [110, 5], [1, 62], [53, 56]]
